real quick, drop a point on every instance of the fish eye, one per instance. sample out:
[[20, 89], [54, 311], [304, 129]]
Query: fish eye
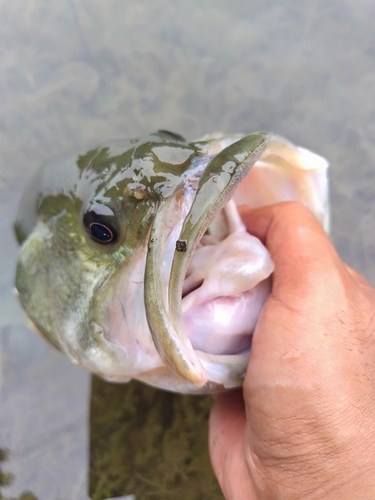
[[99, 228], [101, 232]]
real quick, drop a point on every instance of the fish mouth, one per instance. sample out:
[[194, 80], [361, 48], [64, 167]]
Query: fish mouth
[[282, 172], [163, 297]]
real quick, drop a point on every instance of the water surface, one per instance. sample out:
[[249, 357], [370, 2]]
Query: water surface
[[74, 73]]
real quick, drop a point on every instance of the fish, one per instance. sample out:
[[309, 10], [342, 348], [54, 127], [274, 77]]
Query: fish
[[135, 263]]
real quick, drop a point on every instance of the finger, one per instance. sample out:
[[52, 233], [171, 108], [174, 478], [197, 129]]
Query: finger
[[297, 243], [310, 285], [227, 419], [226, 442], [260, 221]]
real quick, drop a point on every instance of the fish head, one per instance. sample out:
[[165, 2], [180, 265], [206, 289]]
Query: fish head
[[134, 261]]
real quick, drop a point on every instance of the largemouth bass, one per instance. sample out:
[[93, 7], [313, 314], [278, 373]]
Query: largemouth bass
[[134, 260]]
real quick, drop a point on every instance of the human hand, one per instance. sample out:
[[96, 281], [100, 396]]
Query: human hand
[[304, 425]]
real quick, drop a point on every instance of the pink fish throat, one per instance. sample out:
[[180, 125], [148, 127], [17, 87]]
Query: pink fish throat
[[226, 286]]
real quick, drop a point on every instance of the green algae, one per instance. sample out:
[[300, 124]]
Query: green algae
[[6, 479], [149, 443]]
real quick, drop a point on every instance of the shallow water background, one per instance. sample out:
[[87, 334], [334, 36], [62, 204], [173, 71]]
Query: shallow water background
[[74, 73]]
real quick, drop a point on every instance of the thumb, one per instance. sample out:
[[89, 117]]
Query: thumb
[[295, 334], [297, 243]]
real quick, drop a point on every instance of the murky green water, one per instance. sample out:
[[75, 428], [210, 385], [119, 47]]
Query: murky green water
[[77, 72]]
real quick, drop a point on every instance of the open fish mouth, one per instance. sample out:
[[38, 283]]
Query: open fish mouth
[[206, 278], [135, 261]]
